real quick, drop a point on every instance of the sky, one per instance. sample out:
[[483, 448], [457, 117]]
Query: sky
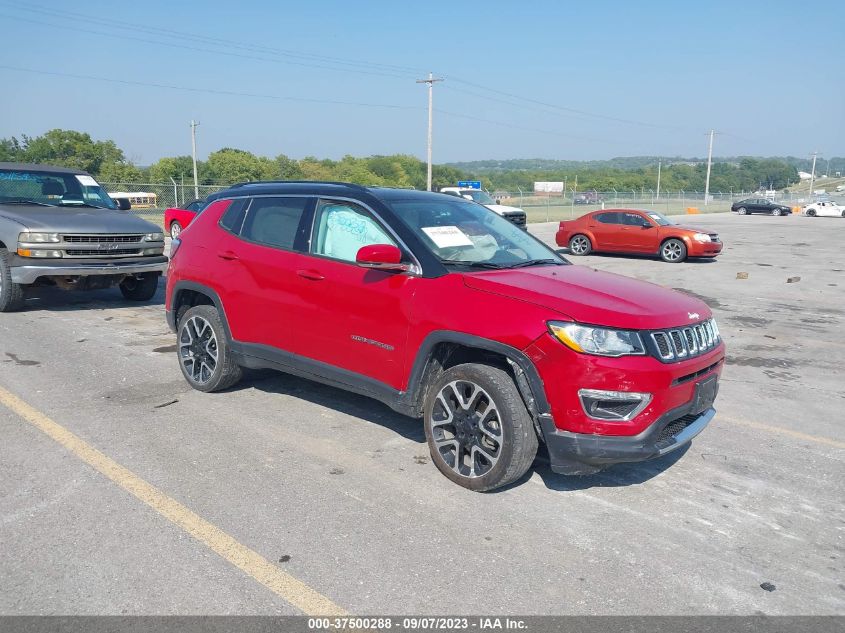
[[543, 79]]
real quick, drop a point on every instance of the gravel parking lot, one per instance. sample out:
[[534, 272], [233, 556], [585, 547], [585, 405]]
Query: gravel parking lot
[[337, 492]]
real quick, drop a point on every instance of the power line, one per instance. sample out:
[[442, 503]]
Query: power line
[[227, 93], [164, 32]]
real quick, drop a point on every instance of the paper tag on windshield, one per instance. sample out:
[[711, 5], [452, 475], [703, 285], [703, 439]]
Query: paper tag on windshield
[[87, 181], [446, 236]]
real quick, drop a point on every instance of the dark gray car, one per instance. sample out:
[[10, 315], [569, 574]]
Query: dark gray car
[[59, 227]]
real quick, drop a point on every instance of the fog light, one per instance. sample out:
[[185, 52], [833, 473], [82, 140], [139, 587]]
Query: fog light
[[27, 252], [613, 406]]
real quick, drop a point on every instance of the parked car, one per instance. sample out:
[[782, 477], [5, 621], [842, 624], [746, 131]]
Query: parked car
[[760, 205], [824, 209], [636, 232], [588, 197], [59, 227], [445, 311], [178, 218], [513, 214]]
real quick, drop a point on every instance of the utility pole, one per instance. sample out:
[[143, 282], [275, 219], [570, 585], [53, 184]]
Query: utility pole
[[709, 165], [194, 125], [657, 197], [430, 81], [813, 176]]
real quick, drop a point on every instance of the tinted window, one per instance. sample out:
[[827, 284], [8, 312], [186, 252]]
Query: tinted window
[[634, 219], [234, 216], [274, 221], [608, 218], [341, 228]]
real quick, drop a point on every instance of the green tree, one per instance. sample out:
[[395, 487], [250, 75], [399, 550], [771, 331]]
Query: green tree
[[176, 167], [10, 150], [230, 165], [69, 148]]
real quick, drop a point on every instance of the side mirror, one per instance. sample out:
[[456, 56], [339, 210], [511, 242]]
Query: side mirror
[[647, 226], [385, 257], [122, 203]]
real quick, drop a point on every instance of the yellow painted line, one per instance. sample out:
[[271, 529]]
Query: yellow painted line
[[818, 439], [292, 590]]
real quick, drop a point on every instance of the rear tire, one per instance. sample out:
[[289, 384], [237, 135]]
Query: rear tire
[[742, 211], [11, 294], [811, 213], [775, 212], [175, 229], [480, 435], [203, 351], [673, 251], [141, 288], [580, 245]]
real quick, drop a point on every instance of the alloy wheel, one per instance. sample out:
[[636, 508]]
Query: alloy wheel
[[198, 351], [672, 251], [579, 245], [466, 427]]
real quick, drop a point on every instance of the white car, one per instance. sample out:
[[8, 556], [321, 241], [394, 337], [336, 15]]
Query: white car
[[514, 214], [828, 209]]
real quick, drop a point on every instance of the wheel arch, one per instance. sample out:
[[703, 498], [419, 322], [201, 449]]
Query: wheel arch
[[186, 295], [443, 349]]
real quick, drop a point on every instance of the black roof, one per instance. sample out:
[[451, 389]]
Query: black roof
[[41, 167], [316, 187]]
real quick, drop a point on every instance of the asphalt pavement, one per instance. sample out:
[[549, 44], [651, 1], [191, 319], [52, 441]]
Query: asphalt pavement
[[122, 491]]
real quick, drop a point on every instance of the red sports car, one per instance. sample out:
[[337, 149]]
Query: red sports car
[[637, 232], [177, 218]]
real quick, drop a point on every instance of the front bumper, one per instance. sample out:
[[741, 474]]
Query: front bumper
[[23, 272], [583, 454], [704, 249]]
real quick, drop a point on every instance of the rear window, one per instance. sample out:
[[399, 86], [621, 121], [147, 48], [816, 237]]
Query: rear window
[[274, 221]]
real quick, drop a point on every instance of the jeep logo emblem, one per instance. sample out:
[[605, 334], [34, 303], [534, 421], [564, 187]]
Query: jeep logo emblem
[[693, 315]]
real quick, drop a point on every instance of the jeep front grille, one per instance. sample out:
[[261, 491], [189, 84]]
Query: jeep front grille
[[686, 342]]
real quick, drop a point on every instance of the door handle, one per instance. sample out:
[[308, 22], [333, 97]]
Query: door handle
[[227, 255], [313, 275]]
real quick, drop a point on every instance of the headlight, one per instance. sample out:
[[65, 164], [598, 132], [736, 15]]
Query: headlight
[[701, 237], [39, 238], [597, 340], [154, 237]]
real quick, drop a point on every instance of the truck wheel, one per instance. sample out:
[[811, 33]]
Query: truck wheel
[[479, 432], [11, 294], [580, 245], [203, 351], [141, 288], [673, 251]]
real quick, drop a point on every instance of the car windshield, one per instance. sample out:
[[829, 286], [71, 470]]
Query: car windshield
[[661, 219], [461, 233], [52, 188], [477, 195]]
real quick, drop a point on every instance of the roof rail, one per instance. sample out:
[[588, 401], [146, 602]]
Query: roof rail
[[298, 182]]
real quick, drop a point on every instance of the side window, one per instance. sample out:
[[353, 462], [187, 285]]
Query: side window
[[234, 216], [608, 218], [274, 221], [341, 228], [635, 219]]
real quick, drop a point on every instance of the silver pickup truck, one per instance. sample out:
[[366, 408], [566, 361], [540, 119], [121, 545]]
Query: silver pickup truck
[[59, 227]]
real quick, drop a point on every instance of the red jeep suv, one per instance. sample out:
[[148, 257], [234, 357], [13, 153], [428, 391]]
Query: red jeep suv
[[443, 310]]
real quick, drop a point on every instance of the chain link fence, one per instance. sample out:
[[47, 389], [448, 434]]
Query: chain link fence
[[149, 200]]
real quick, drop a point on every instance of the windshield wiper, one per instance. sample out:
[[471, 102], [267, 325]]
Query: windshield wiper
[[82, 204], [26, 201], [535, 262], [463, 262]]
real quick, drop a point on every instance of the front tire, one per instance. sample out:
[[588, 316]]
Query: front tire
[[203, 350], [776, 212], [11, 294], [142, 288], [742, 211], [811, 213], [480, 435], [673, 251], [580, 245]]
